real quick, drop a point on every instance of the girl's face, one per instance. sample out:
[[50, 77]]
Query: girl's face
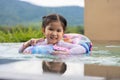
[[53, 32]]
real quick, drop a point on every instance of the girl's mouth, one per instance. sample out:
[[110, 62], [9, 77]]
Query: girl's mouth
[[53, 38]]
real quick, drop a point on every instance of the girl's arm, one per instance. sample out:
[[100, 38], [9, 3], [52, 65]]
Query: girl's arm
[[30, 42], [77, 50], [73, 48], [60, 52]]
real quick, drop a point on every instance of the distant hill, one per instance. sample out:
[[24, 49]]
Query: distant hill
[[17, 12]]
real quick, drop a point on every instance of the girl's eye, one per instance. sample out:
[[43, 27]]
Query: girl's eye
[[58, 30], [51, 29]]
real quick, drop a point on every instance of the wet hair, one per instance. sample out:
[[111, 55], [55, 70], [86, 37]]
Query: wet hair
[[48, 68], [46, 20]]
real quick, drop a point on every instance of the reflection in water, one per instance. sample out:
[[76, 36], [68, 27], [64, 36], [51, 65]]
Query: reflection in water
[[54, 67], [102, 72], [69, 71]]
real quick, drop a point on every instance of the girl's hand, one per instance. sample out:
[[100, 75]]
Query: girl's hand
[[30, 42], [33, 42], [60, 52]]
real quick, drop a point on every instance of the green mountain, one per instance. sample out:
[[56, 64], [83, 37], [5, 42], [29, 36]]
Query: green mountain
[[17, 12]]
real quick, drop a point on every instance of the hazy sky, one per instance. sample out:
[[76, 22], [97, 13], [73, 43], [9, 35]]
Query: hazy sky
[[56, 3]]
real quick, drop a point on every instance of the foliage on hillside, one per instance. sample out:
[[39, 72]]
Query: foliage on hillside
[[20, 33]]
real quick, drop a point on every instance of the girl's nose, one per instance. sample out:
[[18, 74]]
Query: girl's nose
[[54, 33]]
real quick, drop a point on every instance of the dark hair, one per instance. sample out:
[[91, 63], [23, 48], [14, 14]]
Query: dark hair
[[54, 17], [47, 69]]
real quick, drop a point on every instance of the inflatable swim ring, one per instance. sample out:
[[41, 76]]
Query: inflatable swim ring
[[80, 40], [71, 38]]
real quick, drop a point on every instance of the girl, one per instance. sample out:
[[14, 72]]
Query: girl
[[53, 27]]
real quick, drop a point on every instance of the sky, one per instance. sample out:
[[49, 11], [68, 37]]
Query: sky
[[56, 3]]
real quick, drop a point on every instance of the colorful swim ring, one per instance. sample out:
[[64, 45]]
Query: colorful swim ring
[[71, 38], [80, 40]]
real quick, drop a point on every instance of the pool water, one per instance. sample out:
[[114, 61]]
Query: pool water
[[105, 58], [106, 53]]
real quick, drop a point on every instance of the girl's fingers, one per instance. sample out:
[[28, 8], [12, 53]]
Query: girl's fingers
[[60, 52], [55, 52], [33, 41], [39, 40]]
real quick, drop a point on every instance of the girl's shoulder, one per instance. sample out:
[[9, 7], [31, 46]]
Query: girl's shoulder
[[65, 44], [75, 38]]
